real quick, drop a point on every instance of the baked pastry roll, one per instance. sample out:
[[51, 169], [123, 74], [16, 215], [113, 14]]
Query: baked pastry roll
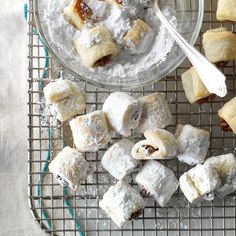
[[118, 160], [159, 144], [155, 113], [70, 168], [123, 112], [95, 46], [139, 38], [225, 165], [77, 13], [200, 183], [193, 144], [228, 116], [158, 181], [90, 132], [226, 10], [122, 203], [118, 3], [193, 86], [219, 45]]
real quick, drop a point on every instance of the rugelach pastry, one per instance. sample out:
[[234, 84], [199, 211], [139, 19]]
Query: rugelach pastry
[[219, 45], [225, 165], [77, 13], [122, 203], [158, 181], [139, 38], [200, 183], [228, 116], [226, 10], [118, 160], [95, 46], [193, 86], [156, 113], [193, 144], [123, 112], [90, 132], [159, 144], [70, 168]]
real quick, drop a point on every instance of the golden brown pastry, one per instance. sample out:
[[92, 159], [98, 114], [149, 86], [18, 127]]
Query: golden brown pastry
[[77, 13], [95, 47], [228, 116], [226, 10], [219, 45]]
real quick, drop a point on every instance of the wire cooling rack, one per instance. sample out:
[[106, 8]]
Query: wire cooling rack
[[61, 212]]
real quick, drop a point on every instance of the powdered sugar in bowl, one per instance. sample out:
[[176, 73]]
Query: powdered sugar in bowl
[[139, 50]]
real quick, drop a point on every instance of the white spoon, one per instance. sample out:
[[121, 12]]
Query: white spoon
[[210, 75]]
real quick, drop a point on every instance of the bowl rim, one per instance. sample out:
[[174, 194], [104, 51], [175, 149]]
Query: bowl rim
[[98, 84]]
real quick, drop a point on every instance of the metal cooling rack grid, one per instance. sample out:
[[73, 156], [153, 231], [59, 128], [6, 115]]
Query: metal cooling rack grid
[[179, 218]]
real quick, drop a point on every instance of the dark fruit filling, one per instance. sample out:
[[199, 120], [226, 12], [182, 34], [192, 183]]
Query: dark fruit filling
[[150, 149], [222, 63], [224, 125], [143, 192], [207, 99], [103, 61], [83, 10], [136, 215]]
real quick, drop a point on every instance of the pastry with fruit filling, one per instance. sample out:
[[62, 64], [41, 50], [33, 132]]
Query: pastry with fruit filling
[[159, 144], [226, 10], [227, 116], [95, 46], [77, 13]]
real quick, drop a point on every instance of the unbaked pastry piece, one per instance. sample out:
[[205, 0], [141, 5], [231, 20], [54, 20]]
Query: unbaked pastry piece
[[118, 3], [158, 181], [193, 144], [77, 13], [139, 38], [118, 160], [95, 46], [122, 203], [200, 183], [90, 132], [123, 112], [226, 10], [193, 86], [219, 45], [225, 166], [156, 113], [70, 168], [228, 114], [159, 144]]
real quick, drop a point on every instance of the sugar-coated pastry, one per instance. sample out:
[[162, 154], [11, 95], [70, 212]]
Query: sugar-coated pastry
[[219, 45], [226, 10], [228, 116], [77, 13], [139, 38], [156, 113], [225, 166], [70, 168], [122, 203], [158, 181], [95, 46], [199, 183], [118, 160], [90, 132], [193, 144], [123, 112], [193, 86], [118, 3], [159, 144]]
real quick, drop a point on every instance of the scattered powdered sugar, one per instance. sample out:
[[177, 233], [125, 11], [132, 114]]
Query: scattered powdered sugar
[[129, 63], [88, 40]]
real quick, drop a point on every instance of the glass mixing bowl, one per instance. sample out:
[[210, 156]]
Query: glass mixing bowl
[[189, 14]]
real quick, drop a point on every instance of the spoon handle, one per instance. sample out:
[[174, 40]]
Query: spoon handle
[[211, 76]]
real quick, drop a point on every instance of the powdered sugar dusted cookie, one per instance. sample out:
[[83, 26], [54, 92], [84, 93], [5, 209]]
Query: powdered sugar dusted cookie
[[200, 183], [118, 161], [156, 113], [159, 144], [70, 168], [122, 203], [225, 165], [157, 180], [123, 112], [90, 132], [193, 144]]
